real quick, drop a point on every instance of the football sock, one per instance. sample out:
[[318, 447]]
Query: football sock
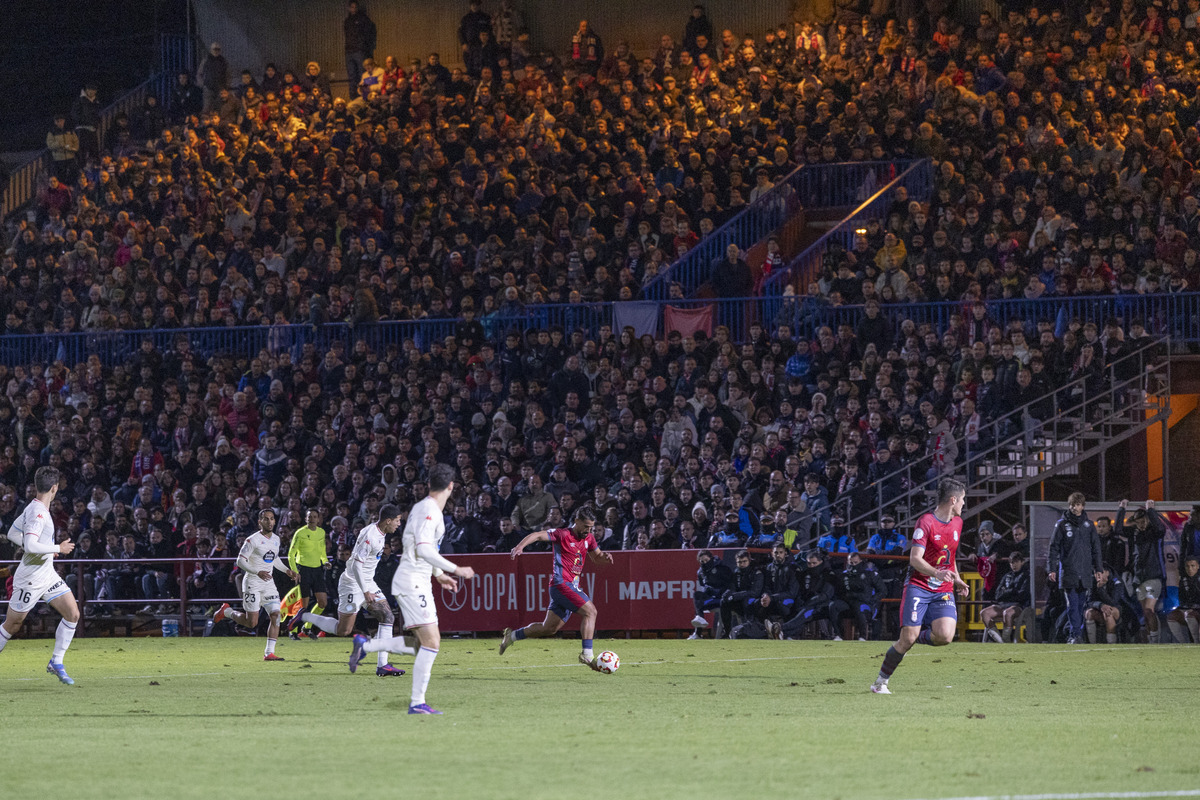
[[1192, 623], [315, 620], [890, 662], [587, 649], [925, 637], [316, 612], [1177, 631], [62, 640], [381, 658], [422, 667], [1091, 630], [4, 636], [518, 634], [392, 644], [1154, 637], [1111, 638], [270, 647]]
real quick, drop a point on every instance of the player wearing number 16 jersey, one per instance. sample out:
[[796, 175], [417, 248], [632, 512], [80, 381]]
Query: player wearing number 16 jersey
[[570, 545], [933, 580], [35, 579]]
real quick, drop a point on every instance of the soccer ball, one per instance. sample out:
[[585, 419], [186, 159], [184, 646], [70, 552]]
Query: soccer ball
[[608, 662]]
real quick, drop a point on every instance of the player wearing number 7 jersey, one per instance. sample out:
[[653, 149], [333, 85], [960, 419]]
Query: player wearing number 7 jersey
[[413, 586], [570, 545], [933, 580], [35, 579]]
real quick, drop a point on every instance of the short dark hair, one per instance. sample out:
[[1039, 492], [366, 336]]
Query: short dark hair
[[949, 487], [388, 512], [585, 514], [45, 479], [742, 554], [440, 477]]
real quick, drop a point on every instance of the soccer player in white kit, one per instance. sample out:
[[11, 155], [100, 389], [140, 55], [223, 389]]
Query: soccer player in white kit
[[413, 586], [357, 589], [35, 579], [259, 555]]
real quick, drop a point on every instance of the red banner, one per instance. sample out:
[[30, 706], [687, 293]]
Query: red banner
[[639, 591]]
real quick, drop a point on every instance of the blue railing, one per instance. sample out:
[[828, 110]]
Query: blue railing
[[1177, 315], [916, 178], [807, 186]]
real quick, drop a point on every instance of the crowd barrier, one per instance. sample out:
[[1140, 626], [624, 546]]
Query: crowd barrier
[[1176, 315]]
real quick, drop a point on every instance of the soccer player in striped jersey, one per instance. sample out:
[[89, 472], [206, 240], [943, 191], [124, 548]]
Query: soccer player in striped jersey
[[35, 580], [932, 581], [569, 545], [357, 590]]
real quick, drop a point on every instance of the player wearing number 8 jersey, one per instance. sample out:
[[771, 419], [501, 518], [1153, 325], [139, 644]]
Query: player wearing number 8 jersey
[[932, 581], [570, 545], [35, 579], [413, 586]]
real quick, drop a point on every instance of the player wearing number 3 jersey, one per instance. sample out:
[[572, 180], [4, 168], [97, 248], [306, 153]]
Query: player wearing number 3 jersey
[[35, 579], [413, 586], [933, 580], [570, 545]]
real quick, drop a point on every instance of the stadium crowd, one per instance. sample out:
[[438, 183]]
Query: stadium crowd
[[1063, 150]]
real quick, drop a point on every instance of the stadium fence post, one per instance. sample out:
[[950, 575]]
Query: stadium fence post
[[185, 628]]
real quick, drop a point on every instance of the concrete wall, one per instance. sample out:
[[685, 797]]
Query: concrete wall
[[293, 32]]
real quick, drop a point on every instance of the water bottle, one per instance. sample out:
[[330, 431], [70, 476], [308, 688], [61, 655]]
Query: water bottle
[[170, 628]]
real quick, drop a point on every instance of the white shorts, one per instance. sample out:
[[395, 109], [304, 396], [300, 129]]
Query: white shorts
[[33, 587], [351, 596], [257, 593], [1149, 590], [415, 596]]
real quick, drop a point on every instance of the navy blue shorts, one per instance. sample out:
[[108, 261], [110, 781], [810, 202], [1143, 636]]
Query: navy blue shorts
[[566, 599], [921, 606]]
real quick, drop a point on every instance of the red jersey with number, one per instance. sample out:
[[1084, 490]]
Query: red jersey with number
[[940, 540], [569, 553]]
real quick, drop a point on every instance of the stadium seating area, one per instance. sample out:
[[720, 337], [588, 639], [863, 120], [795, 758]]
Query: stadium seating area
[[1063, 151]]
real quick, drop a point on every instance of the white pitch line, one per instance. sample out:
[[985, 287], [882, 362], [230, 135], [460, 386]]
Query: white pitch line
[[457, 668], [1079, 795]]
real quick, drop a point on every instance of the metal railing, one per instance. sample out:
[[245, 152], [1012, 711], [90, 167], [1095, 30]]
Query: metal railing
[[807, 186], [82, 591], [30, 177], [917, 179], [1023, 449], [1174, 315]]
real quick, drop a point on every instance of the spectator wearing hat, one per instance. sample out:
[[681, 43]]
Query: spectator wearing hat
[[63, 144]]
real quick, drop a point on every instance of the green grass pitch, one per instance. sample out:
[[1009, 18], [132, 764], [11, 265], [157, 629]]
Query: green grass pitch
[[207, 718]]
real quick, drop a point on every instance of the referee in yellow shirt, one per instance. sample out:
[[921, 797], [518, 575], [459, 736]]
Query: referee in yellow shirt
[[308, 556]]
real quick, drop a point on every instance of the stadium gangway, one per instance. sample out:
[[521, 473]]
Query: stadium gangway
[[807, 186], [917, 179], [1174, 315], [1023, 453]]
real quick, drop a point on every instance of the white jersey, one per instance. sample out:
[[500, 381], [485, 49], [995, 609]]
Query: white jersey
[[259, 553], [34, 521], [364, 558], [425, 526]]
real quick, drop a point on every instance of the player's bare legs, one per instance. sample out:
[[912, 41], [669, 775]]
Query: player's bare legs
[[65, 605], [941, 632], [551, 625], [377, 608]]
